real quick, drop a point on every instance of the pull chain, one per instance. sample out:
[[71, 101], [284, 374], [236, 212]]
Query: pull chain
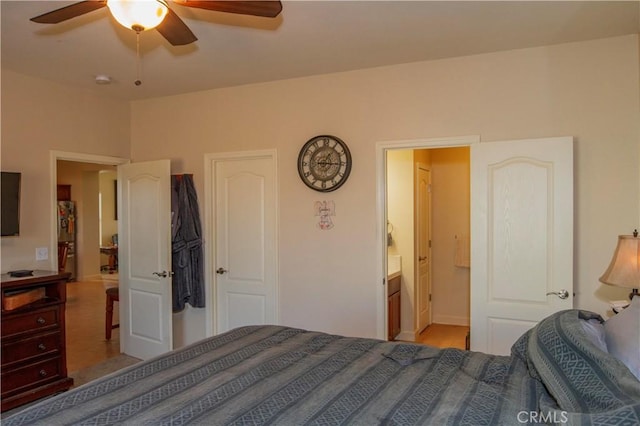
[[138, 82]]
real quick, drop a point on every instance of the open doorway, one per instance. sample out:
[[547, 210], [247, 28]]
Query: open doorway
[[428, 213], [87, 184], [416, 155], [521, 196], [87, 218]]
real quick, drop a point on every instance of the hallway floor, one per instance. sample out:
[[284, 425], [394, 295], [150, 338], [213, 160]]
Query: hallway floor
[[85, 314]]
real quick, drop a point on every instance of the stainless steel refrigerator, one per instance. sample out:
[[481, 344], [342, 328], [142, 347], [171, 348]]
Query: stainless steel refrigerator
[[67, 233]]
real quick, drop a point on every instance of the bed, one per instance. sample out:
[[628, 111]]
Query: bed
[[287, 376]]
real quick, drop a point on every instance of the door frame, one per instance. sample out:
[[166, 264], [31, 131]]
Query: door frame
[[381, 210], [210, 162], [54, 156]]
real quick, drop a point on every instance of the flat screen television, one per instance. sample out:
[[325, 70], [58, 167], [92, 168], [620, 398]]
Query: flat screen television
[[10, 203]]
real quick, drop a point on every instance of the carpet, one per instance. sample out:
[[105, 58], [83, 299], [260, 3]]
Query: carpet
[[88, 374]]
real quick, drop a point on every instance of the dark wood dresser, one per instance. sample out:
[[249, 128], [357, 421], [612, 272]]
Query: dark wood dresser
[[34, 362]]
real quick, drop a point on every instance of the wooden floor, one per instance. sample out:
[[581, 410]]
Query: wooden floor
[[85, 313], [444, 336]]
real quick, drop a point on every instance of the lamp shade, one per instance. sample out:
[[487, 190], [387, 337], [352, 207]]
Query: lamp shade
[[624, 269], [138, 15]]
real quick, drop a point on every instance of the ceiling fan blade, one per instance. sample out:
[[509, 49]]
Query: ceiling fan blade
[[266, 8], [68, 12], [175, 30]]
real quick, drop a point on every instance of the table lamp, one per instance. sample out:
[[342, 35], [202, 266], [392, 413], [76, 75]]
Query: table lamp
[[624, 269]]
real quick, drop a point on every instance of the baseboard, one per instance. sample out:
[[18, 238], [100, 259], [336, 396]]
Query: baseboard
[[96, 277], [451, 320], [406, 336]]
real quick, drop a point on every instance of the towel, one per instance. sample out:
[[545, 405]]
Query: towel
[[462, 257]]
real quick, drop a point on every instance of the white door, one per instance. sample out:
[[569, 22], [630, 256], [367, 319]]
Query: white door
[[423, 216], [144, 246], [246, 249], [521, 237]]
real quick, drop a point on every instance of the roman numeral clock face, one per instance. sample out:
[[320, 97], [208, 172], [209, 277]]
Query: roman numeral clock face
[[324, 163]]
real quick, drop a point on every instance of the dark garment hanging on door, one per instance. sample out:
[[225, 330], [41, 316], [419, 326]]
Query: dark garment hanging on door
[[186, 245]]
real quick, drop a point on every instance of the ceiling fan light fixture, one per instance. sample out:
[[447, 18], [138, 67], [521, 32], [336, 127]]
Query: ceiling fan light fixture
[[138, 15]]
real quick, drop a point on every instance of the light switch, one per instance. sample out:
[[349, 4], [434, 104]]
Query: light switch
[[42, 253]]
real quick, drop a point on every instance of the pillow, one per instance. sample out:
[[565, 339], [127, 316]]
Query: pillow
[[580, 376], [594, 329], [622, 334]]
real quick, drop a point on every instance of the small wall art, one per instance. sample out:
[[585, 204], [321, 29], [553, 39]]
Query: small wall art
[[324, 210]]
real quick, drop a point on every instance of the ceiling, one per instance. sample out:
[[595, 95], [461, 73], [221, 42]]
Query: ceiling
[[307, 38]]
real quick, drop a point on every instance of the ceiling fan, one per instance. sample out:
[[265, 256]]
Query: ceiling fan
[[167, 22]]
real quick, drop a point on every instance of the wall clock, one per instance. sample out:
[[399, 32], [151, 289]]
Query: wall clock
[[324, 163]]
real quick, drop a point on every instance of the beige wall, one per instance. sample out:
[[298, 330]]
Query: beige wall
[[108, 223], [89, 239], [328, 280], [37, 117], [588, 90], [450, 220]]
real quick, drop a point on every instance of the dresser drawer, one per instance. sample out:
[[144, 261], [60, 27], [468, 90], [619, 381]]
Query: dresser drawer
[[31, 322], [41, 344], [31, 375]]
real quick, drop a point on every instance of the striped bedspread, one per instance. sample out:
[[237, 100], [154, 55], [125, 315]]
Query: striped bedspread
[[277, 375]]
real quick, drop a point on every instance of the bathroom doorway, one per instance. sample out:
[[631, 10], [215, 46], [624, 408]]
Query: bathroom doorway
[[510, 182], [428, 214]]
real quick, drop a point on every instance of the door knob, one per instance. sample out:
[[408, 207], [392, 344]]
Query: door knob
[[562, 294], [163, 274], [220, 271]]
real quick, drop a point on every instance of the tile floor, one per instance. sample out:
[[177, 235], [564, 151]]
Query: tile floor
[[86, 344], [85, 313]]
